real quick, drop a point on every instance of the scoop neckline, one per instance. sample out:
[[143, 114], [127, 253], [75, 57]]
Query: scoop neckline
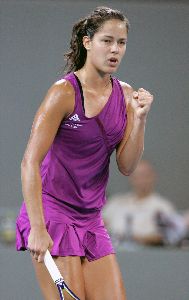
[[82, 97]]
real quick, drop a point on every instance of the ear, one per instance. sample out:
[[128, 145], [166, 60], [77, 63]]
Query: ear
[[87, 42]]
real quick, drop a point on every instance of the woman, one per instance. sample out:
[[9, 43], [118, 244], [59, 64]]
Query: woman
[[83, 118]]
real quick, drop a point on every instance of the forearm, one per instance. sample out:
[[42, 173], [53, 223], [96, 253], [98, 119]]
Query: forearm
[[32, 192], [133, 149]]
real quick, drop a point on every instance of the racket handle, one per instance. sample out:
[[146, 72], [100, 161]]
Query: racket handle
[[52, 267]]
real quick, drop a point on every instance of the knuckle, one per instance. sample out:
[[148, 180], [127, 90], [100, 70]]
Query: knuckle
[[40, 260]]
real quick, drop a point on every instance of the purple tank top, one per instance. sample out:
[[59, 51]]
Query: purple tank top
[[76, 168]]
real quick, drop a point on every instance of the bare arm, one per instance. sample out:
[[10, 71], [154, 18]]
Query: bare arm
[[58, 103], [131, 147]]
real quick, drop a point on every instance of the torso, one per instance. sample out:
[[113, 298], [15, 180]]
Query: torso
[[95, 99], [76, 168]]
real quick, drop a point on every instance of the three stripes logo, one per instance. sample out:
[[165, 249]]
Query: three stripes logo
[[74, 118]]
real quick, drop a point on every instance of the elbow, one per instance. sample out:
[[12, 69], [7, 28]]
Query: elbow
[[24, 170], [25, 167], [28, 170], [122, 166], [127, 168], [125, 171], [24, 164], [28, 164]]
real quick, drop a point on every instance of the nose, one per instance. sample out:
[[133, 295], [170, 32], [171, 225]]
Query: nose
[[115, 48]]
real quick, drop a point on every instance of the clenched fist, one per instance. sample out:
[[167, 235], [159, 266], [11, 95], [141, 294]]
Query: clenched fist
[[141, 103], [38, 242]]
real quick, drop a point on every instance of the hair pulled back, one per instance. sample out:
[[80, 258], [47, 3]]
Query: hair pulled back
[[77, 54]]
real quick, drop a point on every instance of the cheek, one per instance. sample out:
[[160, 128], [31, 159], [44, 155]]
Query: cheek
[[123, 51], [99, 49], [98, 53]]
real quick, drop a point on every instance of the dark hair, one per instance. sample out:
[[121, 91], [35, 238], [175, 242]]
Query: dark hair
[[76, 56]]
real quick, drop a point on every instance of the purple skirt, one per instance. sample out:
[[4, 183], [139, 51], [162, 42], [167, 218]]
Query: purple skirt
[[74, 233]]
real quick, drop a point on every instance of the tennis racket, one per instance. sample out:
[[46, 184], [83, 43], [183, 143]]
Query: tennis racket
[[57, 277]]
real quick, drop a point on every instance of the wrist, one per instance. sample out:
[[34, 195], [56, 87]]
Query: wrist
[[37, 225], [139, 122]]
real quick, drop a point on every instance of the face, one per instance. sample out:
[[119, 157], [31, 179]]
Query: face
[[107, 47]]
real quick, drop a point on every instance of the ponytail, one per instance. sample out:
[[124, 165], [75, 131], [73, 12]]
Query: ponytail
[[77, 55]]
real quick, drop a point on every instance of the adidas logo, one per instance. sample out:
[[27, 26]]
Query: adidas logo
[[74, 118]]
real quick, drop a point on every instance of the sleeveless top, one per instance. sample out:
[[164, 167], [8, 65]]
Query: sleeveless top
[[75, 170]]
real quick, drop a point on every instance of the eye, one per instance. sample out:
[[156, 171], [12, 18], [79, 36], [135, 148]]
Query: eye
[[122, 42], [107, 41]]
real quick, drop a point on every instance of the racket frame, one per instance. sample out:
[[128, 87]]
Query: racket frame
[[57, 277]]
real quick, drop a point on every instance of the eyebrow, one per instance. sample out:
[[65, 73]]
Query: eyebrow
[[111, 37]]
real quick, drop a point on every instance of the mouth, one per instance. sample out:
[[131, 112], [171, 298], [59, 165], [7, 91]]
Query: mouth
[[113, 61]]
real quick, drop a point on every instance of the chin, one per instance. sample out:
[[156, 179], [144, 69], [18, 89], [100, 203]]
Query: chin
[[111, 70], [107, 70]]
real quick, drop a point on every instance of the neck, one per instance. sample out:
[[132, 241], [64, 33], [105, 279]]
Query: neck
[[93, 78]]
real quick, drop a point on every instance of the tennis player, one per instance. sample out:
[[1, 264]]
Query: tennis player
[[84, 117]]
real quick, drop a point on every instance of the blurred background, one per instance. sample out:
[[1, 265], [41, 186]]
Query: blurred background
[[33, 37]]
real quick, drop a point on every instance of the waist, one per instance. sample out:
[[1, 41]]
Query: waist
[[52, 204]]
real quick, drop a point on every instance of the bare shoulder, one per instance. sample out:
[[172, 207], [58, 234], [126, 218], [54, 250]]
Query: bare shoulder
[[126, 86], [64, 86], [61, 95], [62, 89], [127, 90]]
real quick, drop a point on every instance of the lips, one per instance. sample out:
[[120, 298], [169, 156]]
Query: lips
[[113, 61]]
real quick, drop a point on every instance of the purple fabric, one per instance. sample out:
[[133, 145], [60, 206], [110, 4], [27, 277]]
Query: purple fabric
[[76, 168], [74, 177], [72, 233]]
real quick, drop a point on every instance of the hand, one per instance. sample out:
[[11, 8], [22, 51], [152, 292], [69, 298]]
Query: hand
[[38, 242], [141, 103]]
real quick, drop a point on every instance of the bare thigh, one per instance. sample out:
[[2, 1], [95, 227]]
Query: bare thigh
[[71, 269], [103, 279]]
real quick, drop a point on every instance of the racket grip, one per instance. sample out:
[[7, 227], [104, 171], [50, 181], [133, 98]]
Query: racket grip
[[52, 267]]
